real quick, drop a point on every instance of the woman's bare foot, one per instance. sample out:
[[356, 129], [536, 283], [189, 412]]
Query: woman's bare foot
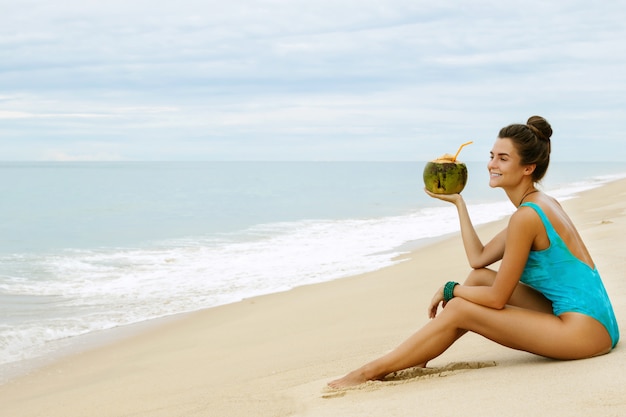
[[350, 380], [360, 376]]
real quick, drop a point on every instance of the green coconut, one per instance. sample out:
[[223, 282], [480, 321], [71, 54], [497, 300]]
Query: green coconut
[[446, 174]]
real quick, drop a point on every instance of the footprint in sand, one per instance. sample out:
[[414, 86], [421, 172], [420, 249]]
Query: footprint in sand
[[408, 375], [421, 373]]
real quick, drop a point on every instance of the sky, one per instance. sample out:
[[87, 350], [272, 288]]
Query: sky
[[394, 80]]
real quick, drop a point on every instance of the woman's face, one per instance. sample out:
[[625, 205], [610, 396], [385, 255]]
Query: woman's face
[[504, 164]]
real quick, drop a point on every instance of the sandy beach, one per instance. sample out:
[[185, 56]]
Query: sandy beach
[[273, 355]]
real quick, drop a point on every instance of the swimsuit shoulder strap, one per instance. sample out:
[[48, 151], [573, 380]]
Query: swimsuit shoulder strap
[[546, 222]]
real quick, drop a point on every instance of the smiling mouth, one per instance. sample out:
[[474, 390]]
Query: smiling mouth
[[495, 174]]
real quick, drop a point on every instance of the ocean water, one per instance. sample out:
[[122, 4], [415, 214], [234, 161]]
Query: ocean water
[[92, 246]]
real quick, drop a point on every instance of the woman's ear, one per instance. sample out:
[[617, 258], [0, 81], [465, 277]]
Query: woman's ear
[[529, 169]]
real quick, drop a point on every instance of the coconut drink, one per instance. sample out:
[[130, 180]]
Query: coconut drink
[[446, 174]]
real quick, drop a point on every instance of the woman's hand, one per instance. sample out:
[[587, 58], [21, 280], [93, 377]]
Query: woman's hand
[[434, 303], [450, 198]]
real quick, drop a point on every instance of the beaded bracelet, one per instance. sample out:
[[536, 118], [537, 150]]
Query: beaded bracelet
[[448, 290]]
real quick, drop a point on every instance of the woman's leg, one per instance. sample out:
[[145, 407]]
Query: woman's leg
[[425, 344], [568, 336], [523, 296], [403, 356], [571, 336]]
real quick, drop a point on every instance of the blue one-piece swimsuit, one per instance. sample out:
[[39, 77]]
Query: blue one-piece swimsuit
[[569, 283]]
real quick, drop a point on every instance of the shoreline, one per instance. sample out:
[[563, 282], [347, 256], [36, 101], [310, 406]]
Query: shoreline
[[63, 349], [272, 354]]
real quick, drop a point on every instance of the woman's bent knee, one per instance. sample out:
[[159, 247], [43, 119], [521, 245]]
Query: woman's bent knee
[[456, 311]]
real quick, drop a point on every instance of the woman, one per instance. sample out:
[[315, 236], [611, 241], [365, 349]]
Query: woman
[[546, 298]]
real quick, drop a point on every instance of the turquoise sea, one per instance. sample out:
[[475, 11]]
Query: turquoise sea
[[92, 246]]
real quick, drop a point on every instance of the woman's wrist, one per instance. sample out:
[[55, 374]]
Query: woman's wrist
[[448, 290]]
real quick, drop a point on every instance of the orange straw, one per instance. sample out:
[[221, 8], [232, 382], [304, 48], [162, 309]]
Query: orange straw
[[461, 147]]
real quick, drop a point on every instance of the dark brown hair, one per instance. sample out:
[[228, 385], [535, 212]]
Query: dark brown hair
[[532, 142]]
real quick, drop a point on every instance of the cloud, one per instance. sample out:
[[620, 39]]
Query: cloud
[[395, 79], [25, 115], [15, 115]]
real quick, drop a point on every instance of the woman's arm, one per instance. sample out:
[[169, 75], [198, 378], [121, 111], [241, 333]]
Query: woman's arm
[[478, 255], [521, 233]]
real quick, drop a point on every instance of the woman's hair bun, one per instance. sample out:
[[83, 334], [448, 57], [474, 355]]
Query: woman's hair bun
[[540, 127]]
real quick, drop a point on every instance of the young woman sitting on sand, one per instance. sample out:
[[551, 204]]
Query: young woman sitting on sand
[[546, 298]]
